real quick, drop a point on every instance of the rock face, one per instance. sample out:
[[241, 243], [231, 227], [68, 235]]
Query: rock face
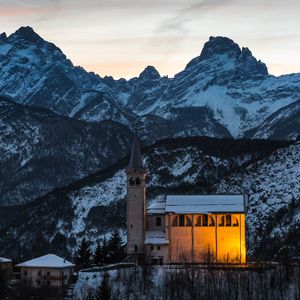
[[40, 150], [226, 89], [95, 205]]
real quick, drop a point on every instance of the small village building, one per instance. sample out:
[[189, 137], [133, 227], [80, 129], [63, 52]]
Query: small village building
[[48, 270], [183, 228], [6, 266]]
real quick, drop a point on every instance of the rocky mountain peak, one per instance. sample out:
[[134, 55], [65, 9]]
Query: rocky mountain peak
[[3, 36], [219, 45], [28, 34], [149, 73]]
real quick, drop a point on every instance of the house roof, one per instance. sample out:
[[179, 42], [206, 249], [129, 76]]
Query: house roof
[[47, 261], [155, 238], [156, 208], [4, 260], [183, 204]]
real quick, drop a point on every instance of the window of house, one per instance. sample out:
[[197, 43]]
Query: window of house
[[39, 273], [135, 248], [25, 273], [188, 221], [158, 247], [235, 222], [198, 221], [158, 221], [204, 220], [181, 220], [175, 221], [137, 181], [48, 283], [48, 274], [222, 221], [151, 247], [228, 220]]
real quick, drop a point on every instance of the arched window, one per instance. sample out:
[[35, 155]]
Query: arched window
[[204, 220], [175, 221], [131, 181], [211, 221], [235, 222], [137, 181], [222, 222], [228, 220], [188, 221], [198, 221]]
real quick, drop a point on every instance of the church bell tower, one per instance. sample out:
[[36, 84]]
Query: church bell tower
[[136, 200]]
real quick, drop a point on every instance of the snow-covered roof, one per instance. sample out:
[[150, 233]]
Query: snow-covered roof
[[156, 238], [183, 204], [156, 208], [4, 260], [47, 261]]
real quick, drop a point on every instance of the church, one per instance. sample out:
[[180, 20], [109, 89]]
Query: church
[[183, 228]]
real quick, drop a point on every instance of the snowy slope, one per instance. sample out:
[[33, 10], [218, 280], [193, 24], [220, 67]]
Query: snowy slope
[[40, 150]]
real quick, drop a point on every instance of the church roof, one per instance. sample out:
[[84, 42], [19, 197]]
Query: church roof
[[156, 208], [136, 161], [184, 204], [155, 238], [47, 261]]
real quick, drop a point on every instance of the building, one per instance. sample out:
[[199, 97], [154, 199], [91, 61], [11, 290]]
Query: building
[[48, 270], [6, 266], [183, 228]]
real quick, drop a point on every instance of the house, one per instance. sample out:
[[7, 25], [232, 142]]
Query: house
[[183, 228], [48, 270], [6, 266]]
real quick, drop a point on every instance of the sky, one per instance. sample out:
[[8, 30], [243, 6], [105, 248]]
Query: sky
[[120, 38]]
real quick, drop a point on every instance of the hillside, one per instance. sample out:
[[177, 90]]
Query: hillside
[[93, 206]]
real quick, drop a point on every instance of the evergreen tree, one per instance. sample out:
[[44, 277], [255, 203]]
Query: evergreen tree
[[116, 248], [101, 252], [104, 291], [84, 254], [3, 284]]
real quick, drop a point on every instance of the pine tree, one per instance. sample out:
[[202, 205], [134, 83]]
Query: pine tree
[[104, 291], [116, 248], [84, 254], [101, 252]]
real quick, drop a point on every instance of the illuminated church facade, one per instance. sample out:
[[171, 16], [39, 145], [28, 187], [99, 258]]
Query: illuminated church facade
[[183, 228]]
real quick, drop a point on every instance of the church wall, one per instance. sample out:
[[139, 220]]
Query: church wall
[[151, 223], [204, 244], [158, 251]]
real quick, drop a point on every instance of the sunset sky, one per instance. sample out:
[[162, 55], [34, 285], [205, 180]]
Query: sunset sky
[[121, 37]]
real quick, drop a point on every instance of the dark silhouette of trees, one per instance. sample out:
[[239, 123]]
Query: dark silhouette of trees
[[104, 291], [84, 253]]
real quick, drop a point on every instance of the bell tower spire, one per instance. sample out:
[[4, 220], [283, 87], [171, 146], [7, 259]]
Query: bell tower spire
[[136, 200]]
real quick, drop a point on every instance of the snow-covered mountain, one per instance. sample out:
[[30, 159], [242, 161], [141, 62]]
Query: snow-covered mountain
[[225, 91], [40, 150], [93, 206]]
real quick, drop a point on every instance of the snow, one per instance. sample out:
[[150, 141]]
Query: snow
[[5, 260], [47, 261], [205, 203], [156, 208], [155, 238]]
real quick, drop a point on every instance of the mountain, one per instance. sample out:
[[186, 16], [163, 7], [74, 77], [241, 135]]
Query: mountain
[[40, 150], [94, 205], [223, 92]]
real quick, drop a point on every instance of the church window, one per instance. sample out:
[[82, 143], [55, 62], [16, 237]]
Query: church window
[[235, 222], [181, 220], [130, 225], [135, 248], [151, 247], [198, 221], [175, 221], [158, 247], [204, 220], [137, 181], [131, 181], [228, 220], [211, 221], [158, 221], [188, 221], [222, 222]]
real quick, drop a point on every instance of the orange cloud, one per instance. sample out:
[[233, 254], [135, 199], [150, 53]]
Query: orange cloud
[[8, 11]]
